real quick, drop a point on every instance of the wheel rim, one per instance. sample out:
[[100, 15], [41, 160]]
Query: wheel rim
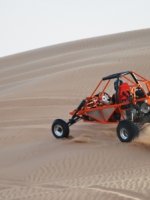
[[124, 134], [58, 130]]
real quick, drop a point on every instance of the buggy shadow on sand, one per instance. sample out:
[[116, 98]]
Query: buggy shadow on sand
[[128, 106]]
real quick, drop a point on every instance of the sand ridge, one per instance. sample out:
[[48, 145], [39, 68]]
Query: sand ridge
[[41, 85]]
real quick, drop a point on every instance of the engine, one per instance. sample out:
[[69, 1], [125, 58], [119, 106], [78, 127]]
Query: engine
[[139, 113], [145, 108]]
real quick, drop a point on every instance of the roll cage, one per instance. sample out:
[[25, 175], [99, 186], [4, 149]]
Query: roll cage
[[134, 80], [91, 110]]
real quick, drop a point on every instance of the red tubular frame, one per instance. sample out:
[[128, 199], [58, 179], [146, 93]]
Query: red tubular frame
[[87, 109]]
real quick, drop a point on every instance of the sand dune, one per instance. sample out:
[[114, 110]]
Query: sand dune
[[40, 85]]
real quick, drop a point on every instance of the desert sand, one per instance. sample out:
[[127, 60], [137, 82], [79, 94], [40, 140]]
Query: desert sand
[[41, 85]]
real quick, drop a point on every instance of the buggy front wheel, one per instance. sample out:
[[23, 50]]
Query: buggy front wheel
[[60, 129]]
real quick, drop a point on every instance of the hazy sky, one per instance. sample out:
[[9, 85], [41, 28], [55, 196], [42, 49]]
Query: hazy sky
[[29, 24]]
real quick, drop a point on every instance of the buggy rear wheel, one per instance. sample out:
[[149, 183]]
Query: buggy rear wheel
[[127, 131], [60, 128]]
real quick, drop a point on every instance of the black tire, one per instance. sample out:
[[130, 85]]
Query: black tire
[[127, 131], [60, 129]]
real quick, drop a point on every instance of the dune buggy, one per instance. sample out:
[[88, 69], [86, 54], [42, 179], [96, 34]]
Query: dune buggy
[[122, 98]]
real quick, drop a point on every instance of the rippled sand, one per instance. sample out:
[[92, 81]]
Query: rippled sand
[[38, 86]]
